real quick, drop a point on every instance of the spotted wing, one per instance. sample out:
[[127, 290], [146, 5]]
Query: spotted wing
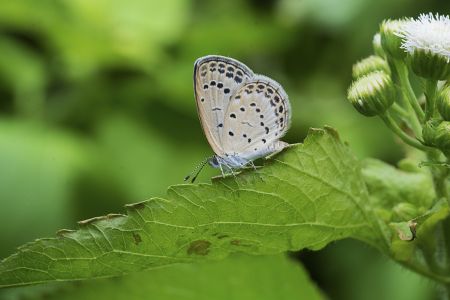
[[258, 116], [216, 78]]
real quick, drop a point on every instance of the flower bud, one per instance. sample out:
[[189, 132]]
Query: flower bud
[[443, 102], [436, 134], [427, 41], [377, 48], [369, 65], [390, 31], [429, 65], [372, 94]]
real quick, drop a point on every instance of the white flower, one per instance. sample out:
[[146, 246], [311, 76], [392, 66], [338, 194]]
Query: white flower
[[430, 33]]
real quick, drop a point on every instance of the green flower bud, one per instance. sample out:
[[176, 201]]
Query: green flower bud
[[377, 48], [390, 39], [436, 133], [429, 65], [372, 94], [443, 102], [369, 65]]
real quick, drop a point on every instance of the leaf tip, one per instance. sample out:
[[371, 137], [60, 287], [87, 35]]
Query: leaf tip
[[333, 132]]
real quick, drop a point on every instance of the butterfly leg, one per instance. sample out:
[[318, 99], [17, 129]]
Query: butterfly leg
[[252, 164], [221, 169], [230, 169]]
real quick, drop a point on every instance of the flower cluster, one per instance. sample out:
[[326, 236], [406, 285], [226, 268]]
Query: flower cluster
[[382, 85]]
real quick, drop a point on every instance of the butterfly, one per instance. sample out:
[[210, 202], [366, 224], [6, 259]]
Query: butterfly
[[243, 114]]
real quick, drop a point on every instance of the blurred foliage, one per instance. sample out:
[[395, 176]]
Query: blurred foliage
[[96, 97], [239, 277]]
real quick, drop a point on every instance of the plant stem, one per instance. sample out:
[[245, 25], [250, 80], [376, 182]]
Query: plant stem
[[439, 174], [387, 119], [399, 110], [408, 93], [430, 95]]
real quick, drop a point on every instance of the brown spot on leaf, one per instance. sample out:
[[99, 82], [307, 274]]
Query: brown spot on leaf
[[137, 238], [199, 247]]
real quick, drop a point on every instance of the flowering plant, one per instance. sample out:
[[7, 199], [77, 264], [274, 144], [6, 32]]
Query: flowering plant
[[413, 51]]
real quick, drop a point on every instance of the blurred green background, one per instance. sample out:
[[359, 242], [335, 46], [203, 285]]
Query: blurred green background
[[97, 107]]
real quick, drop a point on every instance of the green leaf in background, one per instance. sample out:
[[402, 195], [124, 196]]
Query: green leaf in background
[[308, 196], [38, 165], [389, 186], [238, 277], [403, 202]]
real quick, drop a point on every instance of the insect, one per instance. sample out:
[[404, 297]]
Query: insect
[[243, 115]]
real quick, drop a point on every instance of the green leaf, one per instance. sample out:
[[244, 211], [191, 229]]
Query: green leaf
[[403, 202], [389, 186], [306, 197], [238, 277]]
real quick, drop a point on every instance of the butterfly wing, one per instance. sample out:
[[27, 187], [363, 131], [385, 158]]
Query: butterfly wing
[[216, 78], [258, 115]]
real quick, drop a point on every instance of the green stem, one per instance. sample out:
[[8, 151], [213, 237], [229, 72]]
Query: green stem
[[430, 94], [439, 174], [387, 119], [408, 93], [399, 110]]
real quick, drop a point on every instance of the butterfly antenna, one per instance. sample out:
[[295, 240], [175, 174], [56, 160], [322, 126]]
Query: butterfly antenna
[[196, 171]]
